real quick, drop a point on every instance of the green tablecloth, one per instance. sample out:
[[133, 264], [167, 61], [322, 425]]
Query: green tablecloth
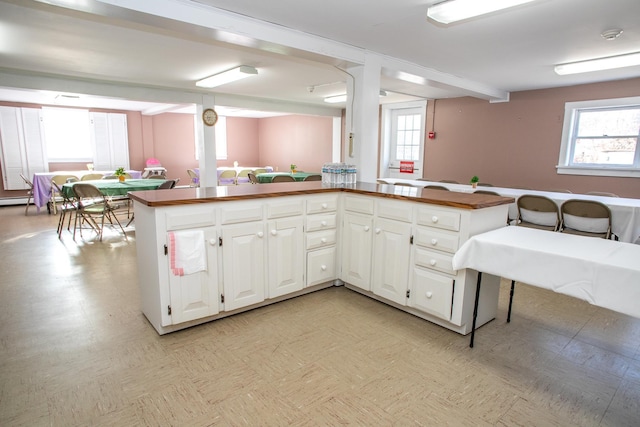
[[113, 187], [298, 176]]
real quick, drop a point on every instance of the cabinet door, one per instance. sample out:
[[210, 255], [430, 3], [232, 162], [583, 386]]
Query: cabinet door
[[195, 296], [356, 249], [286, 256], [391, 250], [243, 268]]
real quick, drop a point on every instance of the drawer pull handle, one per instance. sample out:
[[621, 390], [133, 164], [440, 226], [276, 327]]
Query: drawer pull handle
[[323, 223], [323, 267], [429, 295], [324, 206], [432, 262], [434, 242], [378, 231], [323, 240], [274, 232], [260, 234], [366, 228], [434, 219]]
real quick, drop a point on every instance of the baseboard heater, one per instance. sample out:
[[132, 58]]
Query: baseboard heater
[[12, 201]]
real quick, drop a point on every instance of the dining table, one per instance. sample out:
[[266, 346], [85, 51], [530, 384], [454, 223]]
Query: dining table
[[42, 182], [625, 212], [237, 169], [114, 187], [265, 178]]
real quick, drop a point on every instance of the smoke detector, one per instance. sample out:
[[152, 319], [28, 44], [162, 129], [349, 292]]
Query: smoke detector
[[611, 34]]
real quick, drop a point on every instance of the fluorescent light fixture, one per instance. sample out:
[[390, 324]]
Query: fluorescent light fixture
[[599, 64], [335, 99], [457, 10], [228, 76]]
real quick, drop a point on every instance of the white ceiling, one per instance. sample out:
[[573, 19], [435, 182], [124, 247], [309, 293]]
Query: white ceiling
[[508, 51]]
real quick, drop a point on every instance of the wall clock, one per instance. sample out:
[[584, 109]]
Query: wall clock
[[209, 117]]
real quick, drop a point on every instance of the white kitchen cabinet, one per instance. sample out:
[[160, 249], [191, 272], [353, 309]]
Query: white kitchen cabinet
[[357, 240], [243, 264], [391, 251], [286, 256], [195, 295], [321, 237]]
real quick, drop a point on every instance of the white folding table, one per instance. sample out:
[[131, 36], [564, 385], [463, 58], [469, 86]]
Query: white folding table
[[605, 273]]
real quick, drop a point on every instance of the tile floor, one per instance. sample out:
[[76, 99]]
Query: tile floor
[[75, 350]]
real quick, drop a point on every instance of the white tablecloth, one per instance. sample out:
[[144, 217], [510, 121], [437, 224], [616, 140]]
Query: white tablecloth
[[625, 213], [603, 272]]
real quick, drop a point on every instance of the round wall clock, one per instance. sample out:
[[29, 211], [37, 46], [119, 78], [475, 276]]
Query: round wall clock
[[209, 117]]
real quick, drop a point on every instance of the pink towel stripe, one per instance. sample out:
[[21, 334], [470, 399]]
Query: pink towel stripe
[[172, 255]]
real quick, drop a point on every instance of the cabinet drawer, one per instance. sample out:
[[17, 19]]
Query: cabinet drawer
[[322, 204], [358, 204], [321, 222], [448, 220], [241, 213], [284, 209], [431, 293], [434, 261], [318, 239], [321, 266], [201, 218], [398, 211], [436, 239]]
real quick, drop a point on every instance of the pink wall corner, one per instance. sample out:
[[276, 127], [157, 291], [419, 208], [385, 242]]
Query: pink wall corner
[[517, 144], [305, 141], [242, 142]]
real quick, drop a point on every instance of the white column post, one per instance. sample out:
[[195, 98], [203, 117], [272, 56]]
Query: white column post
[[207, 146]]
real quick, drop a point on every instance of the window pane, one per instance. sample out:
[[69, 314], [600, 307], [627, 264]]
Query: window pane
[[68, 134], [611, 151], [624, 122]]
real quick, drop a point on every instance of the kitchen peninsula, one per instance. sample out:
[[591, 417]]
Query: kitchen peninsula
[[267, 243]]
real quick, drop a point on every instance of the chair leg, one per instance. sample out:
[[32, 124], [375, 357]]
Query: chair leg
[[26, 210]]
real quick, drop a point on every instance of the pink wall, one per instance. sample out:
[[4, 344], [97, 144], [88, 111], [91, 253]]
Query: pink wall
[[242, 142], [516, 144], [302, 140]]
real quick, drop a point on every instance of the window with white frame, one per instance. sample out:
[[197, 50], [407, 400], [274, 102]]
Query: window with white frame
[[601, 138], [407, 133]]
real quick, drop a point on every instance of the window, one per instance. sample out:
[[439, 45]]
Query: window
[[402, 134], [407, 133], [601, 138], [68, 135]]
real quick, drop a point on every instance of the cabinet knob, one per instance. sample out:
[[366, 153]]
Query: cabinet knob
[[213, 242], [324, 206], [274, 232], [366, 228], [323, 223], [378, 231], [260, 234], [432, 262], [323, 267], [429, 295], [434, 219], [434, 242], [323, 240]]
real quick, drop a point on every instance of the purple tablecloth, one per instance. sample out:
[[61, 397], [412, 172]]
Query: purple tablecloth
[[42, 183]]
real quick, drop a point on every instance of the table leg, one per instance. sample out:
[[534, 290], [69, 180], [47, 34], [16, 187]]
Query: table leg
[[513, 285], [475, 309]]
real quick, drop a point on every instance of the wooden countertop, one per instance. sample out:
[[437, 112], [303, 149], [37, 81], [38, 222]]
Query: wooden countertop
[[185, 196]]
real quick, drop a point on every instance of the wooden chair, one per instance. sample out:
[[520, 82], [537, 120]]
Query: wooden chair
[[313, 178], [538, 212], [167, 185], [586, 218], [67, 208], [252, 178], [55, 197], [29, 192], [243, 176], [283, 178], [94, 208]]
